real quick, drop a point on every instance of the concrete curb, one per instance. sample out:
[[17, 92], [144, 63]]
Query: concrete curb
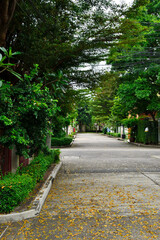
[[133, 143], [37, 203], [144, 145]]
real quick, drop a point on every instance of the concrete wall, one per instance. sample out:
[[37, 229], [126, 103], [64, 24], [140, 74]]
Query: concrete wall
[[83, 128], [14, 161]]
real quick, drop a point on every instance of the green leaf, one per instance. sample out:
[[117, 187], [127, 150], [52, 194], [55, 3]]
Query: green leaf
[[16, 53], [6, 120], [1, 83], [3, 58], [10, 52], [8, 64], [4, 50], [15, 74]]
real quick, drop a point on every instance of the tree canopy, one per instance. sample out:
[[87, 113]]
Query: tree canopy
[[136, 58], [61, 38], [103, 97], [63, 35]]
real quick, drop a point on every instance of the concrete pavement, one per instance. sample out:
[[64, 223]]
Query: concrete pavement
[[106, 189]]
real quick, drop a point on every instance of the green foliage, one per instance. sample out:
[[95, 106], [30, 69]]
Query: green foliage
[[58, 34], [40, 164], [72, 134], [136, 57], [130, 122], [147, 137], [140, 96], [62, 91], [26, 112], [113, 134], [58, 125], [117, 113], [56, 155], [103, 97], [15, 188], [58, 84], [104, 130], [7, 66], [63, 141], [110, 133], [84, 113]]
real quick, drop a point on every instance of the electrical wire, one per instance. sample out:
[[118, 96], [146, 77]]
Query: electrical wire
[[43, 19], [131, 63]]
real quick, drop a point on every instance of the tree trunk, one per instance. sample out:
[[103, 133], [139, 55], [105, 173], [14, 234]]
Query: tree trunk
[[7, 8], [153, 116]]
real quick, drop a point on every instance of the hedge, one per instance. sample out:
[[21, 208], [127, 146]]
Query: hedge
[[104, 130], [150, 137], [63, 141], [115, 134], [14, 188], [110, 133]]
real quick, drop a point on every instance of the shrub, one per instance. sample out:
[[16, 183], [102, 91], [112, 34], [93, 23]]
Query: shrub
[[15, 188], [56, 155], [40, 164], [63, 141], [26, 111], [150, 137], [104, 130], [118, 135], [130, 122], [114, 134], [72, 134]]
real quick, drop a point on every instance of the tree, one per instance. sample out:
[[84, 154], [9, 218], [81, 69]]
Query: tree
[[7, 8], [140, 96], [103, 97], [26, 112], [118, 113], [84, 114], [63, 35], [139, 64]]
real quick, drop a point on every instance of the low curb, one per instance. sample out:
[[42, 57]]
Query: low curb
[[37, 203], [144, 145]]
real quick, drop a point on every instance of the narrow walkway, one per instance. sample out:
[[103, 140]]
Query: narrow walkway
[[106, 189]]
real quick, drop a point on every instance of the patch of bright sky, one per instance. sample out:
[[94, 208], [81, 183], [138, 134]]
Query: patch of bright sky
[[102, 65], [128, 2]]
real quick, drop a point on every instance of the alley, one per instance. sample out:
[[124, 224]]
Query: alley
[[106, 189]]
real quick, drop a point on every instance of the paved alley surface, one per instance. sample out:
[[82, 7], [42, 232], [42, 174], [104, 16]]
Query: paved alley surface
[[106, 189]]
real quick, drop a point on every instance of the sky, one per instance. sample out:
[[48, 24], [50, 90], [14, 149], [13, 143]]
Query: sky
[[102, 65], [129, 2]]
